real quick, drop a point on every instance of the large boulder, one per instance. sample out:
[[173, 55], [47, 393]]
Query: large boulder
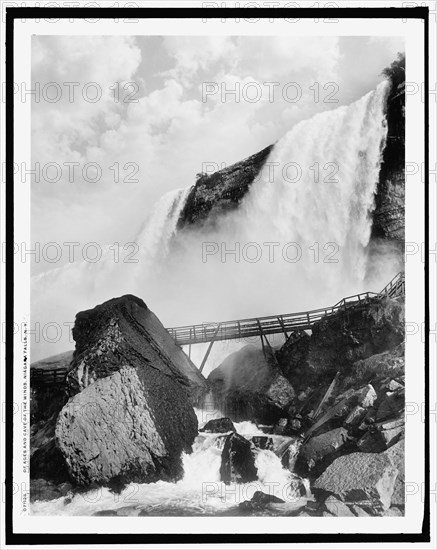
[[293, 361], [130, 413], [132, 425], [219, 426], [356, 333], [340, 340], [361, 478], [396, 454], [216, 194], [249, 386], [238, 461], [319, 451], [124, 331]]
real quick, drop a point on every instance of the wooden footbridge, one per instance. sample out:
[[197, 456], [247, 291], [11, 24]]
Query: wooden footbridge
[[286, 324]]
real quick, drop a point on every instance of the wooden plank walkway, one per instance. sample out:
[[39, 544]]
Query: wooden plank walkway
[[276, 324], [285, 324]]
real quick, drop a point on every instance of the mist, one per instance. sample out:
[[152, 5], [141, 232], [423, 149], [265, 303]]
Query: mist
[[298, 241]]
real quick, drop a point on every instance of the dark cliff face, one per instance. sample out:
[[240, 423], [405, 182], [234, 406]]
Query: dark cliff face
[[222, 191], [216, 194], [388, 217]]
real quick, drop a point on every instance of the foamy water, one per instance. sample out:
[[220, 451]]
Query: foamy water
[[200, 492]]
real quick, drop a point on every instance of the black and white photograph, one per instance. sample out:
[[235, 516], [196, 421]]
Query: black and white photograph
[[219, 288]]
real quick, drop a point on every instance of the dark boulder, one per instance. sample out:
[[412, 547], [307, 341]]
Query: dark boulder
[[340, 341], [249, 386], [221, 192], [130, 414], [124, 331], [238, 461], [260, 500], [131, 426], [319, 451], [219, 426]]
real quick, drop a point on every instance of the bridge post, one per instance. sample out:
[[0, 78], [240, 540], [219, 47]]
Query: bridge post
[[209, 348]]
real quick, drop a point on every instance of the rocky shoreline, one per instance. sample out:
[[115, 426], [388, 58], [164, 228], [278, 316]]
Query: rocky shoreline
[[124, 412]]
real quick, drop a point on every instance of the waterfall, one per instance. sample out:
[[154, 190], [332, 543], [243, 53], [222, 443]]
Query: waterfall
[[199, 492], [319, 192], [310, 208], [155, 236]]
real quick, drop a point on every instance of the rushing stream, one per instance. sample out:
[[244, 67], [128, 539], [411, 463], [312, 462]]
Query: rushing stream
[[199, 492]]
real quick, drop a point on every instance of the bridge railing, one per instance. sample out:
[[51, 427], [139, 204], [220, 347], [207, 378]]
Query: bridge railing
[[288, 322], [247, 328], [48, 377]]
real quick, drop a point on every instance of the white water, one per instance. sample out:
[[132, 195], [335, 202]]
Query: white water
[[337, 154], [326, 213], [182, 288], [155, 237], [199, 492]]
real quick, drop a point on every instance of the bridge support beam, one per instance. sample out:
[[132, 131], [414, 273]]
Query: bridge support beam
[[209, 348], [264, 337]]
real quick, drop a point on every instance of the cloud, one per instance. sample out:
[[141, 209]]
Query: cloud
[[169, 131]]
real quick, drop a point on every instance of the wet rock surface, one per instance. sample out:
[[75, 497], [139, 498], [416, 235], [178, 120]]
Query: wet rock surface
[[130, 414], [124, 331], [219, 425], [250, 386], [117, 429], [238, 461], [221, 192]]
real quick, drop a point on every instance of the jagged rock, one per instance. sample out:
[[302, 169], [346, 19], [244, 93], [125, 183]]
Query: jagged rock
[[396, 455], [360, 477], [377, 368], [389, 213], [363, 344], [317, 451], [280, 392], [293, 360], [371, 442], [280, 426], [216, 194], [247, 386], [393, 386], [41, 489], [393, 405], [337, 507], [343, 405], [48, 463], [356, 333], [262, 442], [219, 425], [355, 416], [366, 396], [123, 331], [391, 431], [259, 500], [130, 426], [238, 461]]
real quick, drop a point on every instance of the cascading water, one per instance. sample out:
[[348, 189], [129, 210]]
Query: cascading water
[[158, 230], [336, 156], [200, 492], [325, 173]]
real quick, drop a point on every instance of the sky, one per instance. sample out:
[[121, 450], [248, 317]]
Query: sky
[[151, 128]]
